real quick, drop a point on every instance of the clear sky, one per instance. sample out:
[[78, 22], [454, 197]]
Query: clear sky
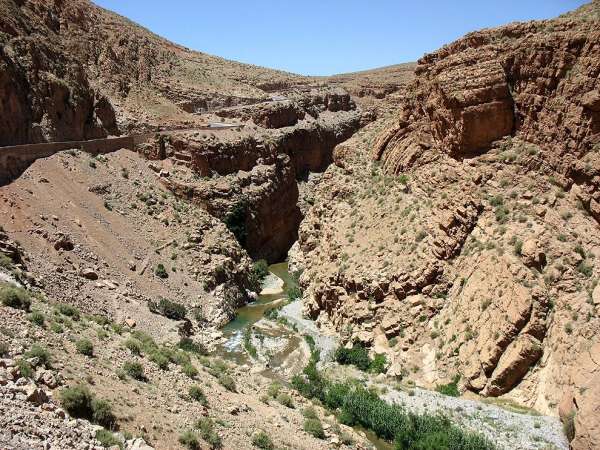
[[323, 37]]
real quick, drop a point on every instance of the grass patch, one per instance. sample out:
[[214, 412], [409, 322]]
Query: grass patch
[[85, 347], [15, 297], [263, 441]]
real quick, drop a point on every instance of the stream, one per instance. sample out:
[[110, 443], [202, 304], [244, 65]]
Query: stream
[[280, 351]]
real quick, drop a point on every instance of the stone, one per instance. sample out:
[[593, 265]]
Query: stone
[[89, 274], [130, 322], [35, 395], [138, 444], [531, 254], [596, 295]]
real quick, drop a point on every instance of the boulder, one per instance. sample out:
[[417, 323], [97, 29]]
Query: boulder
[[89, 274]]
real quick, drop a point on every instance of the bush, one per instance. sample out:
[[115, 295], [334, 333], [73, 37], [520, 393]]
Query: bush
[[39, 352], [107, 439], [77, 401], [248, 345], [273, 390], [206, 427], [190, 346], [359, 406], [263, 441], [37, 317], [134, 346], [102, 413], [85, 347], [450, 389], [69, 311], [3, 349], [170, 309], [294, 293], [357, 355], [314, 427], [25, 368], [189, 440], [378, 364], [260, 270], [310, 413], [569, 426], [196, 393], [15, 297], [227, 382], [160, 359], [235, 221], [161, 272], [135, 370], [285, 400], [189, 370], [5, 261]]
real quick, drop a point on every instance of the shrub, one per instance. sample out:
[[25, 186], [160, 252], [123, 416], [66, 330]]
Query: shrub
[[310, 413], [450, 389], [161, 272], [25, 368], [56, 327], [170, 309], [77, 401], [37, 317], [107, 439], [160, 359], [569, 426], [102, 413], [134, 346], [206, 428], [3, 349], [378, 364], [85, 347], [314, 427], [39, 352], [189, 440], [285, 400], [135, 370], [273, 390], [15, 297], [263, 441], [248, 345], [227, 382], [196, 393], [189, 370], [5, 261], [585, 269], [235, 221], [359, 406], [69, 311], [357, 355], [260, 270], [294, 293], [190, 346]]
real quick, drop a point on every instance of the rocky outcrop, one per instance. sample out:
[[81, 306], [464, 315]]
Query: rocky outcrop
[[47, 94]]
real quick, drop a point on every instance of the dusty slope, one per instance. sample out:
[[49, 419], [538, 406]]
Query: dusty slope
[[470, 244]]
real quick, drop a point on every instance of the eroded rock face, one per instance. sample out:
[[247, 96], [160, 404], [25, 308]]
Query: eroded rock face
[[469, 246], [47, 94]]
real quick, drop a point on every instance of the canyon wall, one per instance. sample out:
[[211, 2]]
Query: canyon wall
[[460, 237]]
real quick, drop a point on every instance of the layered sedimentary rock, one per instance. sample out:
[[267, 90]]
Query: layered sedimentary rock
[[468, 245]]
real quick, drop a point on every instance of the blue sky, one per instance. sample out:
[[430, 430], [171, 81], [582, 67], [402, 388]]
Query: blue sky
[[323, 37]]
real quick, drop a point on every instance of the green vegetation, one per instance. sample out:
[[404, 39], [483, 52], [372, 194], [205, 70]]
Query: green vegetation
[[39, 352], [260, 270], [294, 293], [15, 297], [37, 317], [196, 393], [107, 439], [235, 221], [285, 399], [188, 345], [134, 346], [25, 368], [314, 427], [5, 261], [189, 440], [248, 345], [450, 389], [569, 426], [263, 441], [189, 370], [356, 405], [4, 349], [161, 272], [170, 309], [359, 357], [79, 402], [85, 347], [135, 370], [206, 428], [68, 310]]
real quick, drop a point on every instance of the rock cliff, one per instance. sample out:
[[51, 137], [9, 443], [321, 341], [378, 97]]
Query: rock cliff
[[461, 237]]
